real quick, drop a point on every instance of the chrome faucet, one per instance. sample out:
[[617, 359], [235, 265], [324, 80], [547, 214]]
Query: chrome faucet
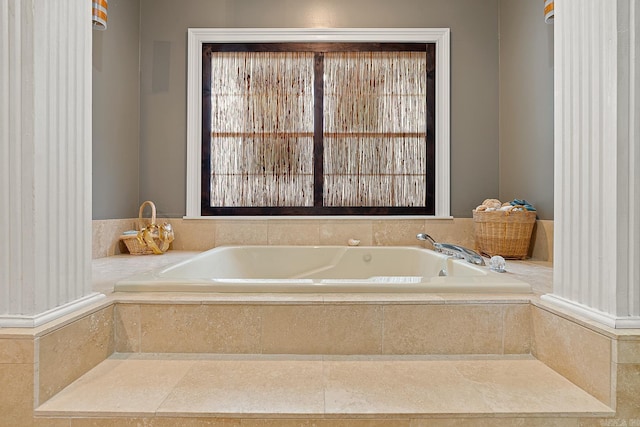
[[455, 251]]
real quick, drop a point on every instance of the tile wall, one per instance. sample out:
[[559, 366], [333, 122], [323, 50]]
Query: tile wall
[[203, 234]]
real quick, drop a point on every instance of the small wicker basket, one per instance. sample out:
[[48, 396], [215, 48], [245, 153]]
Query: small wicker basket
[[504, 233], [137, 245]]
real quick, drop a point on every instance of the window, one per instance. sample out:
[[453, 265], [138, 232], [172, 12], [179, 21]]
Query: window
[[333, 127]]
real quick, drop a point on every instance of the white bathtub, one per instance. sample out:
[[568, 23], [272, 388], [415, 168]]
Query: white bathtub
[[322, 269]]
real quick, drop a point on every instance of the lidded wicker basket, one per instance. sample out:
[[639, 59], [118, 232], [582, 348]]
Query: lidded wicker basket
[[504, 233], [150, 239]]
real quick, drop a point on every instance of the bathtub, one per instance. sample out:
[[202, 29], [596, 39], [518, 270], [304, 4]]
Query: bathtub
[[322, 269]]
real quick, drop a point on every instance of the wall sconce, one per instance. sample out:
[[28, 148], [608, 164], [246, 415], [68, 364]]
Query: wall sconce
[[548, 11], [99, 14]]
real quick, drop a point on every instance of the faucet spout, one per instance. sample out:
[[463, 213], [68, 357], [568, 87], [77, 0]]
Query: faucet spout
[[425, 236], [455, 251]]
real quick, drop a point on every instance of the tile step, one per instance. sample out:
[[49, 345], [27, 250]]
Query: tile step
[[315, 387]]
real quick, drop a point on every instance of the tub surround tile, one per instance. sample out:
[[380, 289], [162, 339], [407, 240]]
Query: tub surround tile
[[127, 328], [106, 236], [340, 232], [443, 329], [397, 233], [245, 232], [517, 329], [322, 329], [134, 388], [203, 234], [457, 230], [200, 328], [193, 235], [68, 352], [294, 232], [579, 354], [542, 241], [333, 326]]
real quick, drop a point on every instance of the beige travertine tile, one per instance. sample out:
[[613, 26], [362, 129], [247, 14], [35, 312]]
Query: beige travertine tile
[[200, 328], [542, 241], [326, 423], [580, 354], [498, 422], [294, 232], [67, 353], [241, 232], [443, 329], [322, 329], [193, 234], [106, 236], [527, 386], [127, 328], [131, 387], [339, 232], [16, 350], [628, 351], [51, 422], [458, 230], [397, 232], [16, 394], [154, 422], [517, 329], [628, 391], [195, 422], [393, 387], [255, 387]]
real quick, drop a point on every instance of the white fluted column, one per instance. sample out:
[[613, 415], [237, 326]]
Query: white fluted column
[[45, 160], [597, 160]]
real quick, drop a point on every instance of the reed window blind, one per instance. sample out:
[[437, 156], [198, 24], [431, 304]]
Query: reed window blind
[[318, 129]]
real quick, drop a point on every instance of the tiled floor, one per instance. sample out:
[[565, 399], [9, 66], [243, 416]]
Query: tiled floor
[[320, 386]]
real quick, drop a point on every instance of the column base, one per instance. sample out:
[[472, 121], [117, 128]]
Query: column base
[[617, 322], [32, 321]]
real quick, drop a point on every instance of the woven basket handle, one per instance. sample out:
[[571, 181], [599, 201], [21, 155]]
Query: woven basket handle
[[141, 223]]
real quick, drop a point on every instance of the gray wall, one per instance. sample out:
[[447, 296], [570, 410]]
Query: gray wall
[[526, 105], [116, 110], [474, 26], [475, 72]]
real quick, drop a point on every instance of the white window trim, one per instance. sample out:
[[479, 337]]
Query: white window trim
[[198, 36]]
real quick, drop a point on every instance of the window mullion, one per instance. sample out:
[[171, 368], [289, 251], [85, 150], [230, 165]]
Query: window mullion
[[318, 130]]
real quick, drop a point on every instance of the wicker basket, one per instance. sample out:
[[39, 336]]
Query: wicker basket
[[135, 243], [504, 233]]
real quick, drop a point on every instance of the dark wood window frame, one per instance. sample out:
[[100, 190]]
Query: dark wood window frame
[[208, 50]]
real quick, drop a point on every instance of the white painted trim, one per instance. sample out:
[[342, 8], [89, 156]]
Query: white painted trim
[[323, 218], [617, 322], [440, 36], [22, 321]]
